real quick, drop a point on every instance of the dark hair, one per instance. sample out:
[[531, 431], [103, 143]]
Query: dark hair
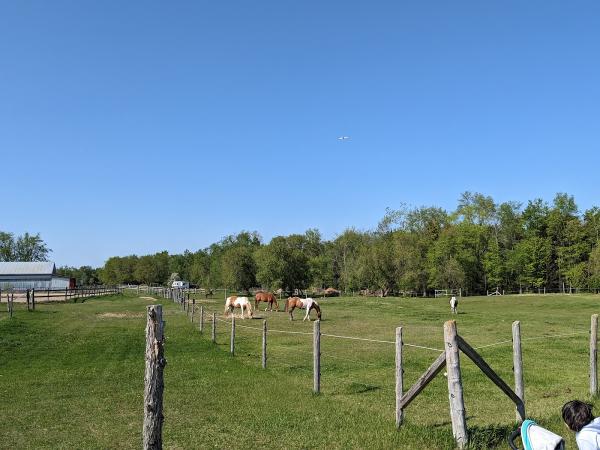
[[577, 414]]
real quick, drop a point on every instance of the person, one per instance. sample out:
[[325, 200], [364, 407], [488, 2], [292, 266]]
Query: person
[[578, 417]]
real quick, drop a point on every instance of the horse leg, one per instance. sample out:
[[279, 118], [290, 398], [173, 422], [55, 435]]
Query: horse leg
[[291, 310], [307, 315]]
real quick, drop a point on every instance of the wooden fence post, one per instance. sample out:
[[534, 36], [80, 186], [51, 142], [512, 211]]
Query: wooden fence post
[[399, 378], [193, 309], [153, 380], [594, 356], [455, 390], [232, 341], [317, 357], [264, 345], [201, 318], [518, 364], [11, 303], [28, 299], [33, 298], [214, 327]]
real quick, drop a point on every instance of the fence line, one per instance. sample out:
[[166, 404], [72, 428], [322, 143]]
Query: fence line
[[533, 338], [449, 357]]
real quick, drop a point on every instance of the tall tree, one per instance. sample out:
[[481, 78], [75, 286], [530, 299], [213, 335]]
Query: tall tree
[[7, 246]]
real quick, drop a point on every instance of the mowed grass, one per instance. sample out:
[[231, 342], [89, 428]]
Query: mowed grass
[[71, 375]]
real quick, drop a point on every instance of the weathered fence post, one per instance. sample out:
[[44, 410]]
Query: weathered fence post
[[66, 293], [317, 357], [518, 364], [154, 383], [594, 356], [201, 318], [193, 309], [33, 299], [11, 303], [28, 299], [214, 327], [264, 345], [399, 377], [232, 340], [455, 390]]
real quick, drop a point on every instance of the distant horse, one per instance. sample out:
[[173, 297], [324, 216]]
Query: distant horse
[[267, 297], [454, 305], [302, 303], [238, 302]]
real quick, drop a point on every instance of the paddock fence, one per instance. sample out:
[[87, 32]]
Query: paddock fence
[[31, 297], [202, 316]]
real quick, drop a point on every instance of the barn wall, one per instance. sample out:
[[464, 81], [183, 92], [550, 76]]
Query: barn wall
[[23, 283]]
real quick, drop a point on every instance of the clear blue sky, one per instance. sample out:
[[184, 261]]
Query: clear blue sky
[[133, 127]]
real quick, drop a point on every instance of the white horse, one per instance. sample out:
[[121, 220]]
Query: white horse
[[302, 303], [454, 305], [238, 302]]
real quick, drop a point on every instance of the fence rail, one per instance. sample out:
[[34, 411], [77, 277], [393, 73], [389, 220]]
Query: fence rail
[[33, 296]]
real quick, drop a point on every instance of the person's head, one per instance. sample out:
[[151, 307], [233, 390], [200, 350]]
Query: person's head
[[577, 414]]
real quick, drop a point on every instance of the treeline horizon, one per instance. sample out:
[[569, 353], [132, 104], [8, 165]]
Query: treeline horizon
[[481, 245]]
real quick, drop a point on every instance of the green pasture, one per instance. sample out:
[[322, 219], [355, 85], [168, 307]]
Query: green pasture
[[71, 375]]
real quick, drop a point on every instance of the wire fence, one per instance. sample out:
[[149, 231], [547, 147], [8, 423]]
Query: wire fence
[[342, 374]]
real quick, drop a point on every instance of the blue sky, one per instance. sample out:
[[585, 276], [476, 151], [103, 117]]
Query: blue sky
[[133, 127]]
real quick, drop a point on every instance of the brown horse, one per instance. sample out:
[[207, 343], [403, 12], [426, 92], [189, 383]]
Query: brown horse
[[267, 297], [302, 303]]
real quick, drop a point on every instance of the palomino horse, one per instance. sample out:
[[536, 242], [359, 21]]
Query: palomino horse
[[238, 302], [302, 303], [267, 297], [454, 305]]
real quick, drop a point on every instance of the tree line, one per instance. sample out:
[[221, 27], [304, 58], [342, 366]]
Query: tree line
[[481, 245]]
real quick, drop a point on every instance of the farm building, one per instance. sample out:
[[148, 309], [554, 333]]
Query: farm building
[[31, 275]]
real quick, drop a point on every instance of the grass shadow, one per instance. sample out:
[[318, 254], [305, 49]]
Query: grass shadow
[[491, 436]]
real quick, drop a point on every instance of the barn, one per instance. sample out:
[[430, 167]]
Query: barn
[[31, 275]]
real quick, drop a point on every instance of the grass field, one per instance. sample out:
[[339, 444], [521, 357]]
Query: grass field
[[71, 375]]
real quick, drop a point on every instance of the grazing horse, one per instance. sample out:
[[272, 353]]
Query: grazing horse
[[267, 297], [302, 303], [454, 305], [238, 302]]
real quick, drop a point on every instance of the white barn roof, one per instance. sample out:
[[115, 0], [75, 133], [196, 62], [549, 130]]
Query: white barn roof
[[27, 268]]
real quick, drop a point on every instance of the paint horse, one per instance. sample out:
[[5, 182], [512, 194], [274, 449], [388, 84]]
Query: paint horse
[[267, 297], [454, 305], [302, 303], [238, 302]]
